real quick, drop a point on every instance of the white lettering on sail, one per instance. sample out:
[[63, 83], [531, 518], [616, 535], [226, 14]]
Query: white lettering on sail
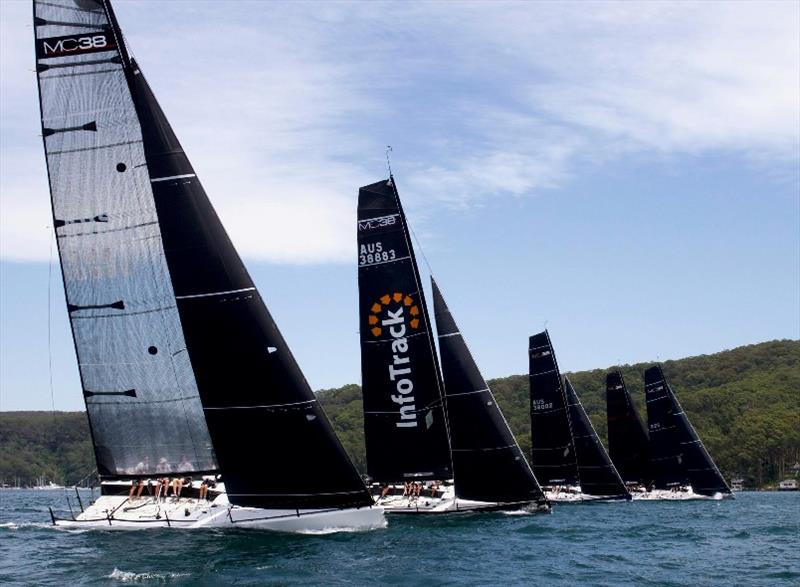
[[371, 253], [400, 369], [540, 404]]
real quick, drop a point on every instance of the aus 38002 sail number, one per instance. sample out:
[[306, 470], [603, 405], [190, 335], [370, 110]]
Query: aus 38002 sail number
[[372, 253], [539, 404]]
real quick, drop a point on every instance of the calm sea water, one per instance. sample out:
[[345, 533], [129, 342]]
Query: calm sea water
[[753, 540]]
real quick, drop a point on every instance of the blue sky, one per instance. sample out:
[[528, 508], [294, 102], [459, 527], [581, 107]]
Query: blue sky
[[626, 173]]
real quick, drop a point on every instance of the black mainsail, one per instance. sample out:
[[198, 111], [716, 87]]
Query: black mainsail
[[699, 467], [165, 317], [666, 460], [598, 475], [488, 463], [628, 443], [554, 462], [405, 427]]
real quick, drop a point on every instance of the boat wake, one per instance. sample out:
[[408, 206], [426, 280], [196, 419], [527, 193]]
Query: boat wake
[[341, 530], [131, 577]]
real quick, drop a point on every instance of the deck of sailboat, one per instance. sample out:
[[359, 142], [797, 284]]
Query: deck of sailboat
[[119, 512]]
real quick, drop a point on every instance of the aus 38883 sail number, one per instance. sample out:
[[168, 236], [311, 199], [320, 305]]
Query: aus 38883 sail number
[[371, 253]]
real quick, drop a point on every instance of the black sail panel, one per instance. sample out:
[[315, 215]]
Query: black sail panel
[[488, 463], [404, 422], [701, 470], [598, 475], [666, 461], [628, 443], [141, 395], [553, 457], [272, 440]]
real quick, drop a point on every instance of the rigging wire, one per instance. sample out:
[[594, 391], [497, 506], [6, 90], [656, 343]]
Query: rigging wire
[[50, 325]]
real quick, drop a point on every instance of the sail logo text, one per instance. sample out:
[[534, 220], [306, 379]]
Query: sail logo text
[[74, 45], [378, 222], [390, 312]]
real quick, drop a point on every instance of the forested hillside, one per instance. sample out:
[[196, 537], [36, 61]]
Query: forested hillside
[[745, 404]]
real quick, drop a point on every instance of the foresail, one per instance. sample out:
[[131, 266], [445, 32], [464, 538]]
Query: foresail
[[598, 475], [488, 464], [628, 443], [404, 422], [553, 457], [700, 468], [141, 395], [666, 462]]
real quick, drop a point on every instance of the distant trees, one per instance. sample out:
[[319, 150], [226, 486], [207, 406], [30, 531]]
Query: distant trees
[[744, 403]]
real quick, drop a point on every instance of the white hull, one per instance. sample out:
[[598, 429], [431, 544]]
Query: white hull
[[670, 495], [448, 503], [116, 512], [573, 494]]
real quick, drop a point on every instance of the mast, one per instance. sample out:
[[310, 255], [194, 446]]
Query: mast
[[405, 423], [597, 473], [489, 465], [554, 461], [628, 443], [701, 470], [272, 441], [666, 461]]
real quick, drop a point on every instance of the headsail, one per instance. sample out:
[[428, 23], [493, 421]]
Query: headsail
[[628, 443], [700, 468], [404, 422], [666, 462], [488, 463], [597, 473], [165, 249], [554, 461]]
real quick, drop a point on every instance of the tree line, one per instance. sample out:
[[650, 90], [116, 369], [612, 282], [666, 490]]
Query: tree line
[[744, 403]]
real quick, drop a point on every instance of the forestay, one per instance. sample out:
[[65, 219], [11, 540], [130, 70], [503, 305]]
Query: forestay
[[404, 422], [554, 461], [487, 461]]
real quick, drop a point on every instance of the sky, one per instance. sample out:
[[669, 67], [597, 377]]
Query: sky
[[625, 174]]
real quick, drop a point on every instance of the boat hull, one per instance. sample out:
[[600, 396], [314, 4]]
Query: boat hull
[[115, 512], [448, 503], [575, 495]]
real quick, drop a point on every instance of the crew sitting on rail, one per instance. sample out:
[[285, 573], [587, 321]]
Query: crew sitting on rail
[[204, 485], [137, 485]]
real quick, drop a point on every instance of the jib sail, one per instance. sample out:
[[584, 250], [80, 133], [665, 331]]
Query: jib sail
[[628, 443], [488, 463], [700, 468], [598, 475], [186, 290], [553, 460], [404, 421]]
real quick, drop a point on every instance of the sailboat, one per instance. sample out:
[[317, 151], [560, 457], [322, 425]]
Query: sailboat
[[190, 389], [428, 452], [568, 457], [681, 466], [628, 442]]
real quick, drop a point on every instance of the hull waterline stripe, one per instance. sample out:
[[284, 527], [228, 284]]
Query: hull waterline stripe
[[184, 176], [215, 293]]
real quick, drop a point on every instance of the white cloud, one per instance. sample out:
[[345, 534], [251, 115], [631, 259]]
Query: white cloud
[[285, 110]]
